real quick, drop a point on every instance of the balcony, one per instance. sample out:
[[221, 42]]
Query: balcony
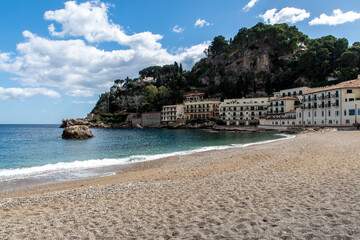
[[335, 104], [335, 95]]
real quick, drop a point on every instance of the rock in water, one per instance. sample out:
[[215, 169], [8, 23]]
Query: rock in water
[[77, 132]]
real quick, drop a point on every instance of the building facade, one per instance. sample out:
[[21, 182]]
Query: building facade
[[172, 113], [246, 111], [196, 107], [336, 105], [281, 112]]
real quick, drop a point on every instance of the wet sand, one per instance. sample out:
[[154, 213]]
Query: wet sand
[[307, 187]]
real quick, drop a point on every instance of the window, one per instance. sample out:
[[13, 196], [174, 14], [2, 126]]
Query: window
[[358, 111], [234, 108], [349, 91], [329, 113], [351, 112], [300, 114], [322, 113], [347, 121], [344, 112], [300, 92], [309, 114], [330, 121], [337, 113], [314, 113], [351, 99]]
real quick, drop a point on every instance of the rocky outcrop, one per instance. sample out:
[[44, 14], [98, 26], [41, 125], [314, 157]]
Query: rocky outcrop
[[77, 132], [92, 124]]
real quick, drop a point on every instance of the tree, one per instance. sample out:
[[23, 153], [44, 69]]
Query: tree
[[151, 93], [218, 46]]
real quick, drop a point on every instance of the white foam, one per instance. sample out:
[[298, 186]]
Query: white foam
[[76, 166]]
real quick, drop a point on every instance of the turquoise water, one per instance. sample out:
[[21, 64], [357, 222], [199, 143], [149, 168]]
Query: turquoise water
[[37, 151]]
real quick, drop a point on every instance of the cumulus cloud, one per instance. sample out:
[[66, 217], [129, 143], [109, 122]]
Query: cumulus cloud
[[250, 5], [22, 93], [338, 17], [201, 23], [77, 66], [285, 15], [177, 29]]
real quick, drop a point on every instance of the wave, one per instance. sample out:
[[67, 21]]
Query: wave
[[77, 166]]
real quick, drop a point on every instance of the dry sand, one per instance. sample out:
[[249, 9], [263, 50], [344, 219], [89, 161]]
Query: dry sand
[[303, 188]]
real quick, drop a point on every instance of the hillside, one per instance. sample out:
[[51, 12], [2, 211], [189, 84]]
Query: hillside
[[256, 62]]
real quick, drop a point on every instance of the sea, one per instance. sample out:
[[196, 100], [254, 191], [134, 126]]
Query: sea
[[33, 155]]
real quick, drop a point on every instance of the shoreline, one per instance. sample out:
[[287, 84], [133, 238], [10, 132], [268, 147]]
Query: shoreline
[[111, 170], [303, 188]]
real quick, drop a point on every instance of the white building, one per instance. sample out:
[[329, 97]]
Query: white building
[[281, 112], [246, 111], [292, 92], [336, 105], [172, 113]]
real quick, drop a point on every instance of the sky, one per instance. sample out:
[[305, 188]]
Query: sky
[[57, 57]]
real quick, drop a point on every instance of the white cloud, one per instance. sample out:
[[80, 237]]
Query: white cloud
[[285, 15], [250, 5], [85, 102], [338, 17], [80, 68], [22, 93], [201, 23], [177, 29]]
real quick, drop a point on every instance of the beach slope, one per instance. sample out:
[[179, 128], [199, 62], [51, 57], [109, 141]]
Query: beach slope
[[306, 187]]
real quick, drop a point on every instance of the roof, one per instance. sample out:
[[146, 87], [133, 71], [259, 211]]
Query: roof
[[284, 98], [347, 84], [194, 94]]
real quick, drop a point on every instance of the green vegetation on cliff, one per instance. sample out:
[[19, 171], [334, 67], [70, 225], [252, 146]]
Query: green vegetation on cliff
[[256, 62]]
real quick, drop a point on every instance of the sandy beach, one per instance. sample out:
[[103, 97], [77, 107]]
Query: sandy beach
[[307, 187]]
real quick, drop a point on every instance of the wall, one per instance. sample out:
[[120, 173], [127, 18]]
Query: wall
[[136, 121], [151, 119]]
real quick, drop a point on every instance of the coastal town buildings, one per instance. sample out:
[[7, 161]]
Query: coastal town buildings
[[281, 111], [172, 113], [245, 111], [292, 92], [196, 107], [336, 105]]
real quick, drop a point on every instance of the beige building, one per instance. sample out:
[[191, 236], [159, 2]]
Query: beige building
[[246, 111], [336, 105], [281, 111], [196, 107], [172, 113]]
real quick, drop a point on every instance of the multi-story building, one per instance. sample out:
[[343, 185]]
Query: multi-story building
[[196, 107], [281, 111], [336, 105], [246, 111], [172, 113], [292, 92]]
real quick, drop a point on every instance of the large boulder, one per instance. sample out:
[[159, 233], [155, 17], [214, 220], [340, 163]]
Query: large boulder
[[77, 132]]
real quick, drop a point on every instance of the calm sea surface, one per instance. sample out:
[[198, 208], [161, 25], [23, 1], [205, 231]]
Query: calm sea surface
[[36, 154]]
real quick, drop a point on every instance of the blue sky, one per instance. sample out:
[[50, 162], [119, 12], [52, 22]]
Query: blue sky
[[56, 57]]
